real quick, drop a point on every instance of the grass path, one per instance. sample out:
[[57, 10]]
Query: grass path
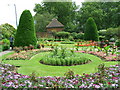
[[33, 65]]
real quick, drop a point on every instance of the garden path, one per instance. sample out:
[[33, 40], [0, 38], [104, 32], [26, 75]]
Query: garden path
[[5, 52]]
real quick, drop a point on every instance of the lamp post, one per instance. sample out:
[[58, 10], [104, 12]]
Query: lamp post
[[15, 13]]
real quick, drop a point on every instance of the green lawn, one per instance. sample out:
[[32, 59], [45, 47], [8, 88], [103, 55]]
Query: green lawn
[[33, 65]]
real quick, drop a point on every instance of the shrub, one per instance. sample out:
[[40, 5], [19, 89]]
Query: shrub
[[77, 35], [102, 32], [7, 30], [6, 44], [91, 32], [62, 34], [80, 36], [71, 38], [25, 32], [118, 43]]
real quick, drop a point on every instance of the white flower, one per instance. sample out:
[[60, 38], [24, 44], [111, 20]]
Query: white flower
[[97, 86], [40, 85]]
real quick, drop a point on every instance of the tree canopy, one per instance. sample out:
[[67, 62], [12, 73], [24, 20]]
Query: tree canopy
[[64, 11], [7, 30]]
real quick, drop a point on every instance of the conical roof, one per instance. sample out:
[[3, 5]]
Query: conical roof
[[54, 24]]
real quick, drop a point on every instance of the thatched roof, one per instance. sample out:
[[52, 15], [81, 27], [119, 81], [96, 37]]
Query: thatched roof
[[54, 24]]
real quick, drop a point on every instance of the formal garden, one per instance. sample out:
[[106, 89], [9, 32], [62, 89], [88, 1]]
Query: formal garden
[[66, 59]]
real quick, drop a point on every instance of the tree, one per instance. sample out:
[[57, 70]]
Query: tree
[[91, 32], [64, 11], [105, 14], [42, 20], [25, 35], [7, 30]]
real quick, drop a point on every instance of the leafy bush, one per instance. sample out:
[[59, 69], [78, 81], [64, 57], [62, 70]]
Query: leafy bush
[[91, 32], [25, 35], [102, 32], [80, 36], [118, 43], [6, 44], [62, 34], [7, 30], [77, 35]]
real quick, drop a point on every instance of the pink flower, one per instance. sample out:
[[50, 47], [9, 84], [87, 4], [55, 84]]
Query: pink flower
[[114, 78]]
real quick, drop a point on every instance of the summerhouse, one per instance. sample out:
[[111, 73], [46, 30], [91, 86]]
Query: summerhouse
[[54, 25]]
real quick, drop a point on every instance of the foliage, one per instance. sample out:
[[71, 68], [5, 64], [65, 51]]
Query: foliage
[[42, 20], [7, 30], [91, 30], [25, 32], [105, 14], [118, 43], [112, 33], [64, 58], [69, 74], [64, 11], [102, 32], [106, 48], [6, 44], [62, 34]]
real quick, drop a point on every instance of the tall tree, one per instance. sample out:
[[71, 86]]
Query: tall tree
[[64, 11], [42, 20], [7, 31], [25, 35], [91, 32], [105, 14]]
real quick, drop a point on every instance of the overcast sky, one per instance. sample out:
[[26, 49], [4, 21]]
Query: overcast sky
[[7, 9]]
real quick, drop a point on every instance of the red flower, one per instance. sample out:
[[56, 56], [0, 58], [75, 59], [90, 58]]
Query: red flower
[[3, 82], [109, 83]]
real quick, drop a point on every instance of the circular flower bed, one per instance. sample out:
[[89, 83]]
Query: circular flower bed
[[63, 58]]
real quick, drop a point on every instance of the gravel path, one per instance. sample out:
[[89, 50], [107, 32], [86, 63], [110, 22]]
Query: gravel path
[[5, 52]]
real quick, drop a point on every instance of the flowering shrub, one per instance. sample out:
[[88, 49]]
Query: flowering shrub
[[97, 80], [23, 55]]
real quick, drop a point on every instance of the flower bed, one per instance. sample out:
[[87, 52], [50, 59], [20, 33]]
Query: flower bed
[[26, 55], [104, 78], [109, 57], [82, 44]]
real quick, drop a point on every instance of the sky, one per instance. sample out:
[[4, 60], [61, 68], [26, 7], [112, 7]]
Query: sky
[[7, 9]]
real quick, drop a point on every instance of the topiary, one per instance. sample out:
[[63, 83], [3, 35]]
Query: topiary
[[25, 35], [91, 32]]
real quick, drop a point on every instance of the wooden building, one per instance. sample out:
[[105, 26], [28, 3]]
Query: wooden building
[[54, 25]]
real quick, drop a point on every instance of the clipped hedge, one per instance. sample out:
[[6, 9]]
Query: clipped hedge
[[25, 35], [62, 34], [91, 32]]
